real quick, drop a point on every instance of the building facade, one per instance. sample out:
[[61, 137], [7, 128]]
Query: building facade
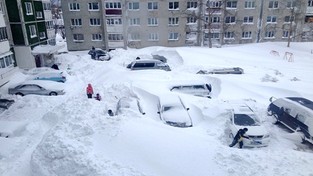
[[137, 24], [7, 67], [30, 25]]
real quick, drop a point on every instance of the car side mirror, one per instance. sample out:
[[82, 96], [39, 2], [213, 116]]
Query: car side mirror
[[158, 112], [187, 109]]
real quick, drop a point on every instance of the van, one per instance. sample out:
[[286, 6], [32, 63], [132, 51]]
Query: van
[[296, 113], [148, 64], [196, 89]]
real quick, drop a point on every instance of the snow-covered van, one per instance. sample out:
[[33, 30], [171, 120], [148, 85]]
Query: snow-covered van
[[296, 113]]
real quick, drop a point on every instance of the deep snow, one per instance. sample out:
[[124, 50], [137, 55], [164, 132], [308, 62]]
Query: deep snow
[[73, 135]]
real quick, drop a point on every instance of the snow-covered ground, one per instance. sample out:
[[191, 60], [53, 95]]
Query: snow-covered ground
[[73, 135]]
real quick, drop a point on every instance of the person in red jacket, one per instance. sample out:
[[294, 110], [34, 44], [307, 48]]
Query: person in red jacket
[[89, 91]]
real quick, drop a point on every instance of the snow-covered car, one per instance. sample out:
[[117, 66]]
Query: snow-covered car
[[37, 70], [50, 76], [148, 64], [100, 54], [192, 87], [242, 116], [173, 111], [234, 70], [37, 87], [296, 113]]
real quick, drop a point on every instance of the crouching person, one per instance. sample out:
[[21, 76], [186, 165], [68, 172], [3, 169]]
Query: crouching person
[[239, 138]]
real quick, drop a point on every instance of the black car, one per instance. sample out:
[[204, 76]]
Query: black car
[[99, 54], [296, 113]]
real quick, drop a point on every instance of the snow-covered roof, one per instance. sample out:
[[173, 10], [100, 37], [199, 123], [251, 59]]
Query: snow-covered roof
[[46, 49]]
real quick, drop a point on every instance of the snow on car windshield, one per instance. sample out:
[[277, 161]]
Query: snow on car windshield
[[244, 120]]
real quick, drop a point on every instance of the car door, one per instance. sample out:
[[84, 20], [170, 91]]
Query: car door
[[289, 120]]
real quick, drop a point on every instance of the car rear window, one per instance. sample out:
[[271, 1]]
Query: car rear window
[[144, 65]]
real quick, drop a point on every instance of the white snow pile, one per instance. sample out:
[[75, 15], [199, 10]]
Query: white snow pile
[[71, 135]]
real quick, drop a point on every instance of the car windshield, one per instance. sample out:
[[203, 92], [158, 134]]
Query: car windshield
[[244, 120], [166, 108]]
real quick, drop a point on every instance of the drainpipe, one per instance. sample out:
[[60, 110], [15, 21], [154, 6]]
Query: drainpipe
[[260, 22]]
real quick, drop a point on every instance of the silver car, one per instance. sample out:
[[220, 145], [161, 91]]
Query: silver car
[[37, 87], [148, 64]]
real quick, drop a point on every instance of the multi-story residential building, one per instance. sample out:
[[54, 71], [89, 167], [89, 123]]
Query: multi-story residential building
[[308, 22], [121, 24], [30, 25], [6, 56]]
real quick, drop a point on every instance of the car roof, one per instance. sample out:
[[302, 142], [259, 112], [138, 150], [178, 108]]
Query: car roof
[[242, 109], [146, 61], [167, 99], [42, 83], [303, 101]]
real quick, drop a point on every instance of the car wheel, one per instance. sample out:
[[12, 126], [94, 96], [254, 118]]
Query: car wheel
[[53, 94], [20, 94]]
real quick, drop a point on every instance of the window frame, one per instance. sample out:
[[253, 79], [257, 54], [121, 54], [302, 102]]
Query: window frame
[[192, 4], [173, 36], [153, 21], [77, 36], [152, 5], [134, 22], [91, 6], [29, 8], [133, 6], [94, 21], [153, 37], [96, 37], [32, 31], [271, 19], [248, 20], [173, 5], [269, 34], [273, 4], [76, 22], [173, 21], [74, 6], [229, 35], [250, 4], [246, 35], [231, 4], [230, 20]]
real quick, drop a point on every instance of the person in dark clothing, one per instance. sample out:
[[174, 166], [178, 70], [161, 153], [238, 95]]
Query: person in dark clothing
[[239, 138], [55, 66], [92, 52]]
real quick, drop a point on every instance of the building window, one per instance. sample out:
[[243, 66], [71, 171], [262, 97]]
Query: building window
[[114, 21], [78, 37], [29, 8], [285, 34], [3, 34], [113, 5], [247, 35], [115, 37], [32, 31], [1, 6], [93, 6], [76, 22], [310, 3], [249, 4], [6, 61], [215, 19], [153, 37], [133, 6], [230, 19], [49, 25], [173, 36], [74, 6], [173, 5], [215, 35], [269, 34], [231, 4], [134, 21], [271, 19], [42, 35], [134, 37], [248, 19], [39, 15], [273, 5], [173, 21], [288, 19], [192, 4], [95, 22], [96, 37], [46, 6], [215, 4], [152, 21], [191, 19], [229, 35], [290, 4], [153, 5]]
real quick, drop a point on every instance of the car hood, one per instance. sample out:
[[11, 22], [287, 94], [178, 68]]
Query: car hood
[[254, 130], [176, 115]]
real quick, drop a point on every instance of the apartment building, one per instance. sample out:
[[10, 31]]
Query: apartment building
[[28, 27], [7, 67], [137, 24]]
